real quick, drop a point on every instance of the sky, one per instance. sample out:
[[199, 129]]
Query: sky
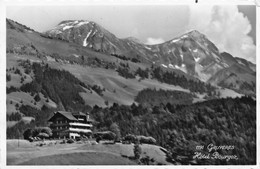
[[230, 27]]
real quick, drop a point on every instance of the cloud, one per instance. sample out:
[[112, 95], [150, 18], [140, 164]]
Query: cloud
[[226, 27], [153, 41]]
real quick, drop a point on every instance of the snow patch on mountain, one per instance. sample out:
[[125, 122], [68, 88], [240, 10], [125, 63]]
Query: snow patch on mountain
[[50, 59], [196, 59], [175, 40], [94, 32], [82, 23], [164, 65], [181, 56], [171, 66], [67, 27], [182, 68], [225, 65], [148, 48], [76, 55], [241, 63], [184, 36], [85, 43], [54, 31]]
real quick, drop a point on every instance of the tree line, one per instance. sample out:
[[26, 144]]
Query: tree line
[[151, 97]]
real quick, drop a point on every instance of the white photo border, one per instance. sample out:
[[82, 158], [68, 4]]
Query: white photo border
[[5, 3]]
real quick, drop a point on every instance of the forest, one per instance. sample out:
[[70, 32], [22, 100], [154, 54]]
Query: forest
[[176, 126], [180, 128], [149, 97], [58, 85], [174, 79]]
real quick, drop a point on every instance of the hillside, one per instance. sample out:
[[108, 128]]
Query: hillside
[[54, 153]]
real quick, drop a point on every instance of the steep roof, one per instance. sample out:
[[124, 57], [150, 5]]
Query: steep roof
[[67, 115]]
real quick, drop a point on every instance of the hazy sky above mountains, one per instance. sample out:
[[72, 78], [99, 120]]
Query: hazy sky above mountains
[[231, 28]]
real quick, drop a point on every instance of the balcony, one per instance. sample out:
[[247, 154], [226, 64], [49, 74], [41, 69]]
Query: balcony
[[77, 130], [75, 124]]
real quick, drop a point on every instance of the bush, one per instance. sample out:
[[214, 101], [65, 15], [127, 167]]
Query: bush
[[70, 141], [109, 136], [37, 98], [17, 71], [131, 138], [99, 90], [46, 130], [42, 132], [147, 160], [43, 135], [8, 77], [137, 151], [30, 139], [146, 140], [125, 72], [28, 133], [11, 89], [14, 117], [39, 130], [105, 135]]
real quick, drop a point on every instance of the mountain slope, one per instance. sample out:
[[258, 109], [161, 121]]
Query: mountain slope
[[191, 53], [237, 78], [82, 62]]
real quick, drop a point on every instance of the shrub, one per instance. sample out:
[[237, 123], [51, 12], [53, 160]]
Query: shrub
[[105, 135], [109, 136], [11, 89], [41, 132], [146, 140], [147, 160], [137, 151], [8, 77], [14, 117], [70, 141], [28, 133], [45, 130], [37, 98], [17, 71], [131, 138], [99, 90], [43, 135]]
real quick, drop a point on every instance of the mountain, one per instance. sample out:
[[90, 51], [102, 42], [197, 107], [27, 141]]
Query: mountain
[[192, 53], [90, 34]]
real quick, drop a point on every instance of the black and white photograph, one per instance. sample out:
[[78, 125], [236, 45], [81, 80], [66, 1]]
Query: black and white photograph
[[136, 84]]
